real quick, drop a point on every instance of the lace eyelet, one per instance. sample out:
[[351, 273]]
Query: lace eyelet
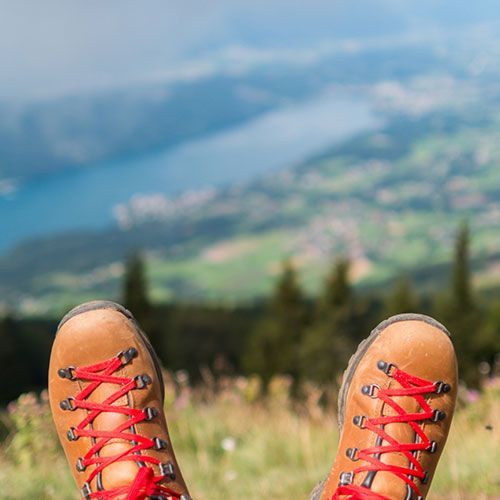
[[167, 470], [151, 413], [386, 367], [160, 444], [80, 467], [346, 478], [71, 434], [142, 381], [432, 447], [68, 373], [359, 421], [127, 356], [442, 387], [86, 491], [369, 390], [67, 404], [438, 415]]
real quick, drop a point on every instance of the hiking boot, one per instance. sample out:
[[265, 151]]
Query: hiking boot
[[106, 394], [395, 409]]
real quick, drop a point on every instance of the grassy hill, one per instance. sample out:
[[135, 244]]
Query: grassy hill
[[389, 200]]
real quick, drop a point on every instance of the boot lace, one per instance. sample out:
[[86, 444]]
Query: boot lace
[[410, 386], [145, 484]]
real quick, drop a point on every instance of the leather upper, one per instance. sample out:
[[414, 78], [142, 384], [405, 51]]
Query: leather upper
[[86, 339], [423, 350]]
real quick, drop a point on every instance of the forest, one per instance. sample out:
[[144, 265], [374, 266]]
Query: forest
[[289, 333]]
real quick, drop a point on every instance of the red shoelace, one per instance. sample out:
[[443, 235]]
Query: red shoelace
[[145, 483], [410, 386]]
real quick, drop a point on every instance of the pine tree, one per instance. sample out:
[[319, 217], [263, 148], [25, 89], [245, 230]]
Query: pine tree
[[328, 342], [288, 302], [460, 314], [135, 289], [488, 343], [337, 289], [273, 346], [12, 366], [461, 280], [402, 298]]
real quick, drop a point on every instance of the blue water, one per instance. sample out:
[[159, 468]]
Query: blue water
[[84, 198]]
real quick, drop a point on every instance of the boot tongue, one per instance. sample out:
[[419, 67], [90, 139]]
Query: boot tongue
[[387, 483], [119, 473]]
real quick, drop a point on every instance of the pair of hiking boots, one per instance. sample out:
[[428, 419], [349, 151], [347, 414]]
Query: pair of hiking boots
[[106, 394]]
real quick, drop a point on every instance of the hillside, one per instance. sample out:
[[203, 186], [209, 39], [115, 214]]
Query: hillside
[[390, 201], [46, 137]]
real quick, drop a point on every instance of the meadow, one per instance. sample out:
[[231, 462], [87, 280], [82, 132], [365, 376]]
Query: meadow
[[233, 442]]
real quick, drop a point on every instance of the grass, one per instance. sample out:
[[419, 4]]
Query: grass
[[221, 277], [233, 443]]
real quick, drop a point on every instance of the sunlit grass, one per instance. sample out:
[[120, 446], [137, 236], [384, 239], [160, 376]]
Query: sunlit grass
[[231, 443]]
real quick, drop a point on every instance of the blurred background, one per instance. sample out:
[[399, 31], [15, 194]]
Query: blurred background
[[260, 183]]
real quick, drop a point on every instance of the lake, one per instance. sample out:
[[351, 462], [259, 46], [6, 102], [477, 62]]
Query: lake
[[84, 198]]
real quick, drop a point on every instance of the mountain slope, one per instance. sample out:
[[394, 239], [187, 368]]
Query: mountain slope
[[390, 201], [82, 131]]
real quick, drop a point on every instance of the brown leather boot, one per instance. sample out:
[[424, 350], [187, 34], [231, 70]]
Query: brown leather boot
[[106, 395], [395, 408]]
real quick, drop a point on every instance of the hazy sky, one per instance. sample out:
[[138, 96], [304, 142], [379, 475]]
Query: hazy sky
[[51, 47]]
